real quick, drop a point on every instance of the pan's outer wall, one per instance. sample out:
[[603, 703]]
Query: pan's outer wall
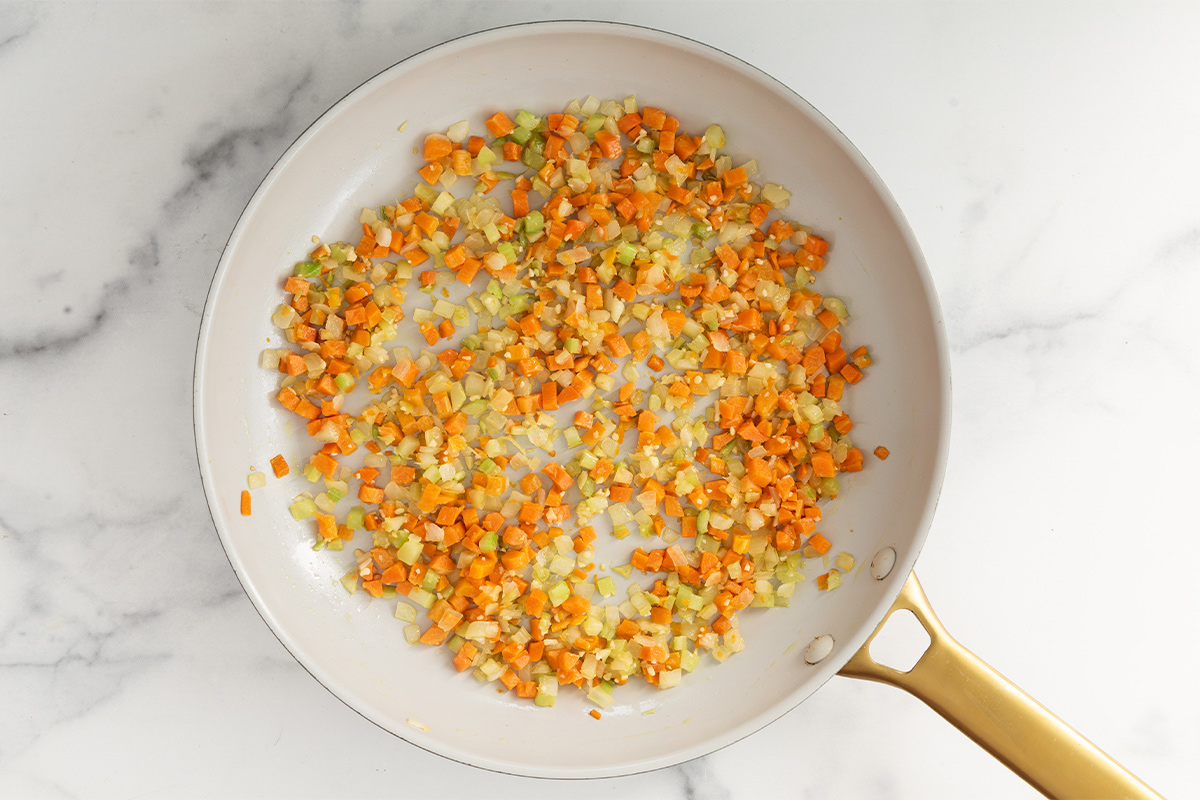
[[354, 156]]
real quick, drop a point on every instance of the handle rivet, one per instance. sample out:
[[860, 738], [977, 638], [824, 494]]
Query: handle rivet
[[882, 563], [818, 649]]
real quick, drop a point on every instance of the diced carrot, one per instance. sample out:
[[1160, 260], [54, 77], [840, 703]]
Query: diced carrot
[[819, 543], [816, 245], [370, 494], [500, 125], [465, 655], [627, 629], [610, 144], [431, 172], [837, 384], [325, 463], [429, 498], [535, 602], [822, 464], [434, 635], [734, 177], [437, 147]]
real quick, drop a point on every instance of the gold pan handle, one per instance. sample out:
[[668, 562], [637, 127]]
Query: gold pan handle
[[998, 716]]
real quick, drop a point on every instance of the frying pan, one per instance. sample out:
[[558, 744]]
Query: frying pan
[[361, 154]]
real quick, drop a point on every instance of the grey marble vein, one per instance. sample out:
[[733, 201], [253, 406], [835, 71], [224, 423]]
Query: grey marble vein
[[207, 161], [225, 149], [17, 22], [699, 783], [90, 594], [1175, 254]]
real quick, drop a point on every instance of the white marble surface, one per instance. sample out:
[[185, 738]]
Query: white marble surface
[[1047, 159]]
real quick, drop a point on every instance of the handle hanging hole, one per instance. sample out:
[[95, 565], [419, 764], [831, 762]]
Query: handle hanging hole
[[901, 643]]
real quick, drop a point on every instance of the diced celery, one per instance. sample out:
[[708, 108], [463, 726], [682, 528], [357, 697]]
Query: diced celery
[[531, 157], [561, 565], [485, 156], [303, 509], [813, 414], [837, 307], [626, 253], [421, 597], [714, 136], [425, 192], [558, 593], [593, 125], [520, 134], [670, 678], [410, 551], [534, 221], [526, 120], [601, 694], [547, 690], [491, 669], [442, 203], [457, 395]]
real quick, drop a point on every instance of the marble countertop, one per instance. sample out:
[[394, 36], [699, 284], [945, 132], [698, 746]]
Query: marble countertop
[[1046, 158]]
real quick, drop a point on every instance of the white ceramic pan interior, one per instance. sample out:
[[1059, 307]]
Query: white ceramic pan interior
[[354, 156]]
